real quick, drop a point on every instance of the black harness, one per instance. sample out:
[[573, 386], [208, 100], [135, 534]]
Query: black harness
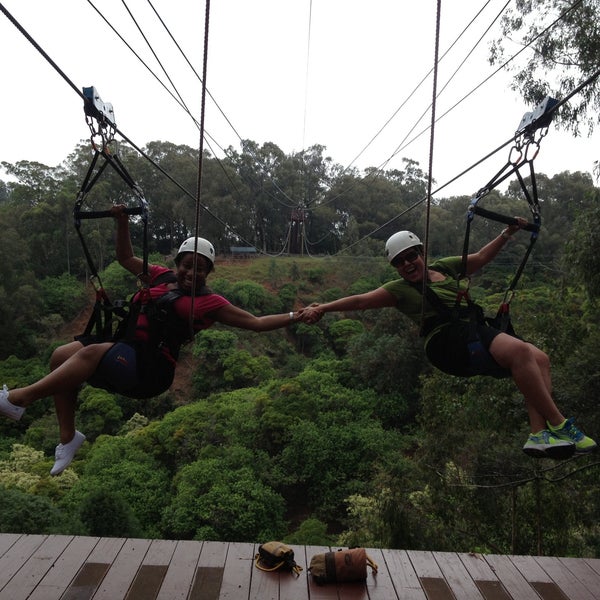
[[532, 128], [165, 328]]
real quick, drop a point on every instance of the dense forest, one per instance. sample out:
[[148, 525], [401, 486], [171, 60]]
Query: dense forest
[[335, 433]]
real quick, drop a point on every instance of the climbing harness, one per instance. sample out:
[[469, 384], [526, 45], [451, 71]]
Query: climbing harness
[[532, 128], [106, 317]]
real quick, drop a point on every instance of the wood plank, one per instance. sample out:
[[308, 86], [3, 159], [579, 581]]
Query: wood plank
[[32, 572], [106, 550], [492, 590], [584, 573], [123, 569], [7, 540], [548, 590], [181, 572], [65, 568], [93, 571], [538, 578], [477, 566], [456, 576], [571, 585], [148, 580], [87, 581], [379, 586], [512, 579], [430, 575], [403, 575], [15, 557], [209, 573], [160, 552], [291, 586], [485, 579], [237, 574], [594, 563], [264, 584]]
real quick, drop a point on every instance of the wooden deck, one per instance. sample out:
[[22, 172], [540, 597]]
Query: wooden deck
[[53, 567]]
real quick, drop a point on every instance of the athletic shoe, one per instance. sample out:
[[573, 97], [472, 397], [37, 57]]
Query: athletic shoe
[[65, 453], [7, 408], [568, 432], [545, 444]]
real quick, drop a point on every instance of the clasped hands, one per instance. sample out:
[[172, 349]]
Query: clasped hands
[[311, 314]]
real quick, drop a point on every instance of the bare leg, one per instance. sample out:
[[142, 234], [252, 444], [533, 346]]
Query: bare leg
[[65, 402], [530, 368], [78, 364]]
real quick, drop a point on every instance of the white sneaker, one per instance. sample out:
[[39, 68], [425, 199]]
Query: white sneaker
[[7, 408], [65, 453]]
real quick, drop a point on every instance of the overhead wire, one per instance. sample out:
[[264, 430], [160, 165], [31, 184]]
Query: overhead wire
[[421, 82], [576, 90], [210, 95], [184, 106], [383, 164]]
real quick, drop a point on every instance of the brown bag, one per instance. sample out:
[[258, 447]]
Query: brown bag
[[341, 566], [274, 556]]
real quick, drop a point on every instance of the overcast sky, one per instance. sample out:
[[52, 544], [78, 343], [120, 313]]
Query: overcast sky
[[340, 73]]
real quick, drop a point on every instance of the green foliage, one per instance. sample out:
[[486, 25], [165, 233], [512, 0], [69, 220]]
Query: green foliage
[[342, 332], [118, 283], [223, 367], [222, 498], [99, 411], [287, 295], [583, 250], [63, 295], [105, 513], [127, 476], [25, 513], [311, 532]]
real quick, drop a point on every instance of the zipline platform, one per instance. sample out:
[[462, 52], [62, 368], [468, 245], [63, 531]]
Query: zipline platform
[[53, 567]]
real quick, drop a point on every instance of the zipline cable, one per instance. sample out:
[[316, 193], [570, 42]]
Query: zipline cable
[[200, 161], [550, 111], [431, 148]]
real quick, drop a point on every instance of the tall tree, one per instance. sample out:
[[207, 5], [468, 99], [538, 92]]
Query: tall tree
[[565, 44]]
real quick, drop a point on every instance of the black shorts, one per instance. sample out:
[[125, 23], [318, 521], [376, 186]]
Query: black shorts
[[133, 370], [451, 349]]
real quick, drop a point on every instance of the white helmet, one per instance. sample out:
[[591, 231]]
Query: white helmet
[[400, 241], [201, 246]]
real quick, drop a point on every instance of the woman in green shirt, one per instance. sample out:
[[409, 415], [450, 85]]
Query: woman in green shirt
[[447, 339]]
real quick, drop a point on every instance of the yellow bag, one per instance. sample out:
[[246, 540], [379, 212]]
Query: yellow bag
[[341, 566], [276, 555]]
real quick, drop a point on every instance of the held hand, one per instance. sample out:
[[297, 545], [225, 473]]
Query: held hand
[[118, 211], [512, 229], [311, 314]]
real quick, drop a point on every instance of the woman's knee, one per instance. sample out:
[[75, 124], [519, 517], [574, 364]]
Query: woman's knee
[[541, 358], [93, 352], [63, 353], [512, 352]]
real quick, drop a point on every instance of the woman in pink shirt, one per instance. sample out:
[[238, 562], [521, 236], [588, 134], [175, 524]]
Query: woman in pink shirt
[[140, 363]]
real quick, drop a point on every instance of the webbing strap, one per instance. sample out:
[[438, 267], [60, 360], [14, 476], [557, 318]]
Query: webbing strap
[[104, 311], [79, 214]]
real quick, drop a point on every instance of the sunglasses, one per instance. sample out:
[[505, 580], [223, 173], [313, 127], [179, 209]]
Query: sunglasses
[[408, 257]]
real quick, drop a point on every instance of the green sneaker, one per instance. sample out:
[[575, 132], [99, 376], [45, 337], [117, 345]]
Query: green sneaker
[[569, 433], [545, 444]]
